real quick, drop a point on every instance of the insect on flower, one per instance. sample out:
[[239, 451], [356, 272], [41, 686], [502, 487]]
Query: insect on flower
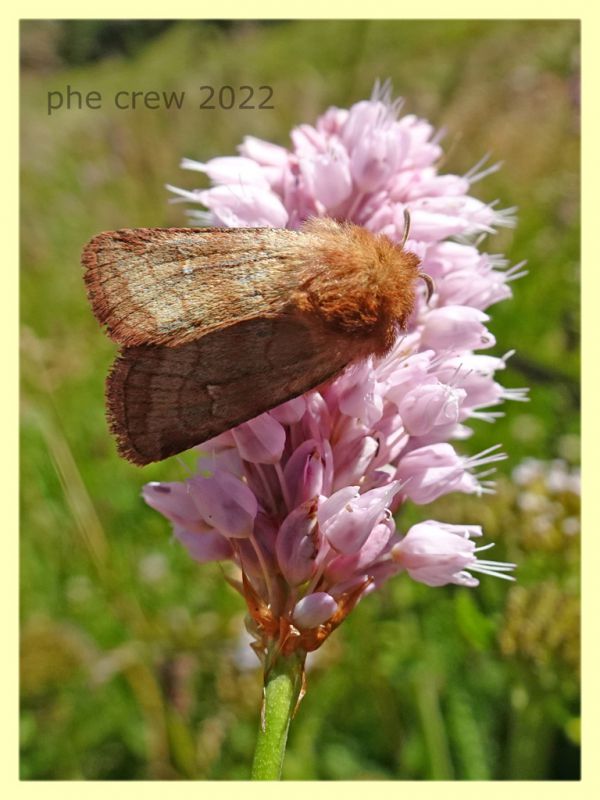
[[221, 324]]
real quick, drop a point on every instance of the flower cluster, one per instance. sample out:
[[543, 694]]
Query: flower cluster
[[302, 497]]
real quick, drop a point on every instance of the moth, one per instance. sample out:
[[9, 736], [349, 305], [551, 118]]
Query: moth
[[218, 325]]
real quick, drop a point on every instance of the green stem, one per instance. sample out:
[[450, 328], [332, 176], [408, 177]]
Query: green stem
[[283, 682]]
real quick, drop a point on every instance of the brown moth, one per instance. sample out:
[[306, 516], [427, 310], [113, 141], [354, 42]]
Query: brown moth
[[221, 324]]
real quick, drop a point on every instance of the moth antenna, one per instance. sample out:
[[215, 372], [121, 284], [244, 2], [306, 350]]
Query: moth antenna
[[430, 284], [406, 227]]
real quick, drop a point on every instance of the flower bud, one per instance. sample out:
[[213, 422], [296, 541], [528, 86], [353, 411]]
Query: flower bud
[[289, 412], [225, 502], [260, 440], [344, 567], [314, 609], [204, 547], [456, 328], [304, 472], [428, 405], [354, 458], [297, 544], [255, 207], [347, 517], [327, 176], [375, 156], [358, 393], [318, 419], [175, 502], [431, 471], [264, 153], [229, 170]]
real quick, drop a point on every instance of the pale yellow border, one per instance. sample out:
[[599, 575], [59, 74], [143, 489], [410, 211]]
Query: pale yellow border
[[509, 9]]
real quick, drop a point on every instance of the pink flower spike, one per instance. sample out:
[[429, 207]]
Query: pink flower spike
[[260, 440], [436, 554], [314, 609], [225, 502], [307, 489]]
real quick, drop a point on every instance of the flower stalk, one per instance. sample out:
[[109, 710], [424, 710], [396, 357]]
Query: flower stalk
[[284, 678]]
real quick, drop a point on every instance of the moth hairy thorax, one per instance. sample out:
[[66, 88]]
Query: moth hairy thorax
[[362, 284]]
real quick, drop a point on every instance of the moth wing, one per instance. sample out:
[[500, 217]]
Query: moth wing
[[163, 400], [168, 286]]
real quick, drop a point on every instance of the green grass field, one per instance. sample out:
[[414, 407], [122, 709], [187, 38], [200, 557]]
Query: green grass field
[[131, 665]]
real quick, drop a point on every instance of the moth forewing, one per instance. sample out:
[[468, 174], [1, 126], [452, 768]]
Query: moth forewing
[[169, 286]]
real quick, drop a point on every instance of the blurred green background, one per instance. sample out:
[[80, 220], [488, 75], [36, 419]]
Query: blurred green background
[[134, 665]]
